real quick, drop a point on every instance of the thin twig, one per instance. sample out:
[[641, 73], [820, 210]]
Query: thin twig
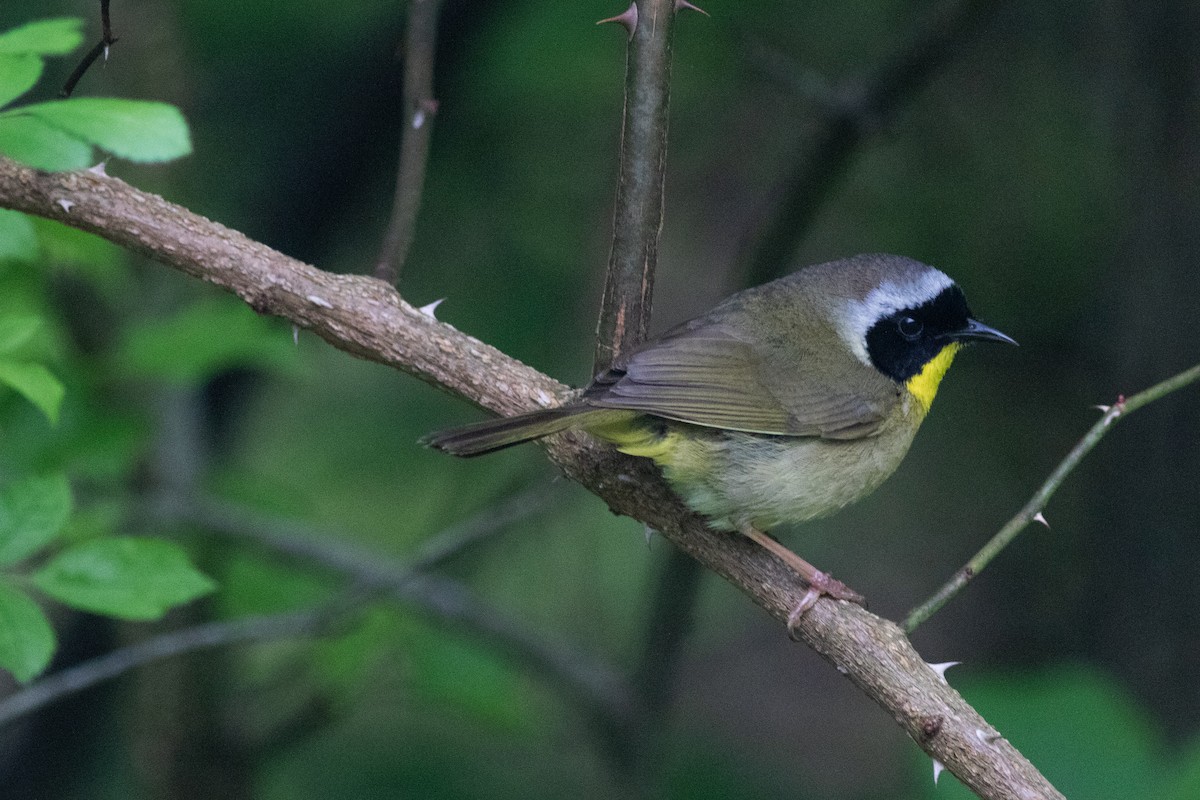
[[676, 589], [862, 109], [624, 323], [367, 318], [330, 548], [590, 684], [1032, 511], [189, 640], [638, 212], [106, 40], [420, 42]]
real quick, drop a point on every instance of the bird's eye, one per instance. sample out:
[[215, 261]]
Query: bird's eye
[[909, 328]]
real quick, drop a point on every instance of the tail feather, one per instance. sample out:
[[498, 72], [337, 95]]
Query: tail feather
[[496, 434]]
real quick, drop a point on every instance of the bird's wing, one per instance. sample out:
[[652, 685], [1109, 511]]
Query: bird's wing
[[707, 376]]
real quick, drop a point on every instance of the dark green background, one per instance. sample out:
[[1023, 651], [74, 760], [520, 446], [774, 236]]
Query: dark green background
[[1052, 167]]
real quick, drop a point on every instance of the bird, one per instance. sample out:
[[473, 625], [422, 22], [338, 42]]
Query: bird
[[783, 403]]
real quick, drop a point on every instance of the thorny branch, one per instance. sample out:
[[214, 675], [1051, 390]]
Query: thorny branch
[[1033, 510], [638, 211], [420, 40], [367, 318]]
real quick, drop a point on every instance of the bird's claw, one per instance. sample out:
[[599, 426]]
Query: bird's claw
[[822, 583]]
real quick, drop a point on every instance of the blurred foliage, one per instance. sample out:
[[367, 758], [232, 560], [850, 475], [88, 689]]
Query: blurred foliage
[[1045, 168]]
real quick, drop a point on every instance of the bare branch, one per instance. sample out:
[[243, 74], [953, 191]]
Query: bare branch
[[848, 118], [589, 684], [1033, 510], [638, 212], [106, 40], [189, 640], [420, 40], [367, 318]]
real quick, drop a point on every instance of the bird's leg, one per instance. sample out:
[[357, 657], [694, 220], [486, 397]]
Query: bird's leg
[[819, 582]]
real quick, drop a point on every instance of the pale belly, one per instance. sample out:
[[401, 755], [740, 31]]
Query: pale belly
[[738, 479]]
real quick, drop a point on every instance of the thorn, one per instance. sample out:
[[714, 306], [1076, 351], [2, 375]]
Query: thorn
[[1120, 406], [941, 668], [429, 308], [1113, 411], [986, 737], [938, 768], [65, 204], [650, 533], [106, 53], [99, 170], [629, 19], [680, 5], [296, 335], [1040, 517], [426, 108], [319, 301]]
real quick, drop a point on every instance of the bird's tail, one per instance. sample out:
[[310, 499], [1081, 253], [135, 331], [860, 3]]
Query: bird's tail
[[496, 434]]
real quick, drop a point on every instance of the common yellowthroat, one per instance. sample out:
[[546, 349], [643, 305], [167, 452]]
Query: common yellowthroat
[[785, 402]]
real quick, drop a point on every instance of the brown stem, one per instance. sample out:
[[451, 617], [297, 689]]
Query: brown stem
[[638, 212], [101, 47], [420, 41]]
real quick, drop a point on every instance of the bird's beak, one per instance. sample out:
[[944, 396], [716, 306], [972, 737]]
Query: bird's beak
[[977, 330]]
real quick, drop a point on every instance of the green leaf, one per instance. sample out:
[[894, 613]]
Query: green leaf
[[35, 143], [137, 130], [26, 638], [130, 578], [205, 339], [18, 241], [35, 383], [32, 512], [15, 331], [18, 74], [45, 36]]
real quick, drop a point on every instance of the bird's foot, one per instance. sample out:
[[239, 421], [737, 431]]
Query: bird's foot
[[819, 583]]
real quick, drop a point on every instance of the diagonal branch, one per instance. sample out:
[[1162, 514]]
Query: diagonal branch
[[851, 116], [367, 318], [187, 640], [1032, 511], [591, 685]]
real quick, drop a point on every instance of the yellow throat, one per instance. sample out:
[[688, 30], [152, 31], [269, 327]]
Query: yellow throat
[[924, 384]]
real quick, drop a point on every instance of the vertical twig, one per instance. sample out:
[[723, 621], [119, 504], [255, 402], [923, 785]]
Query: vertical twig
[[106, 40], [420, 42], [624, 323], [637, 215]]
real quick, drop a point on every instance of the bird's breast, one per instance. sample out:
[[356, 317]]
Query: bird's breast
[[737, 478]]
